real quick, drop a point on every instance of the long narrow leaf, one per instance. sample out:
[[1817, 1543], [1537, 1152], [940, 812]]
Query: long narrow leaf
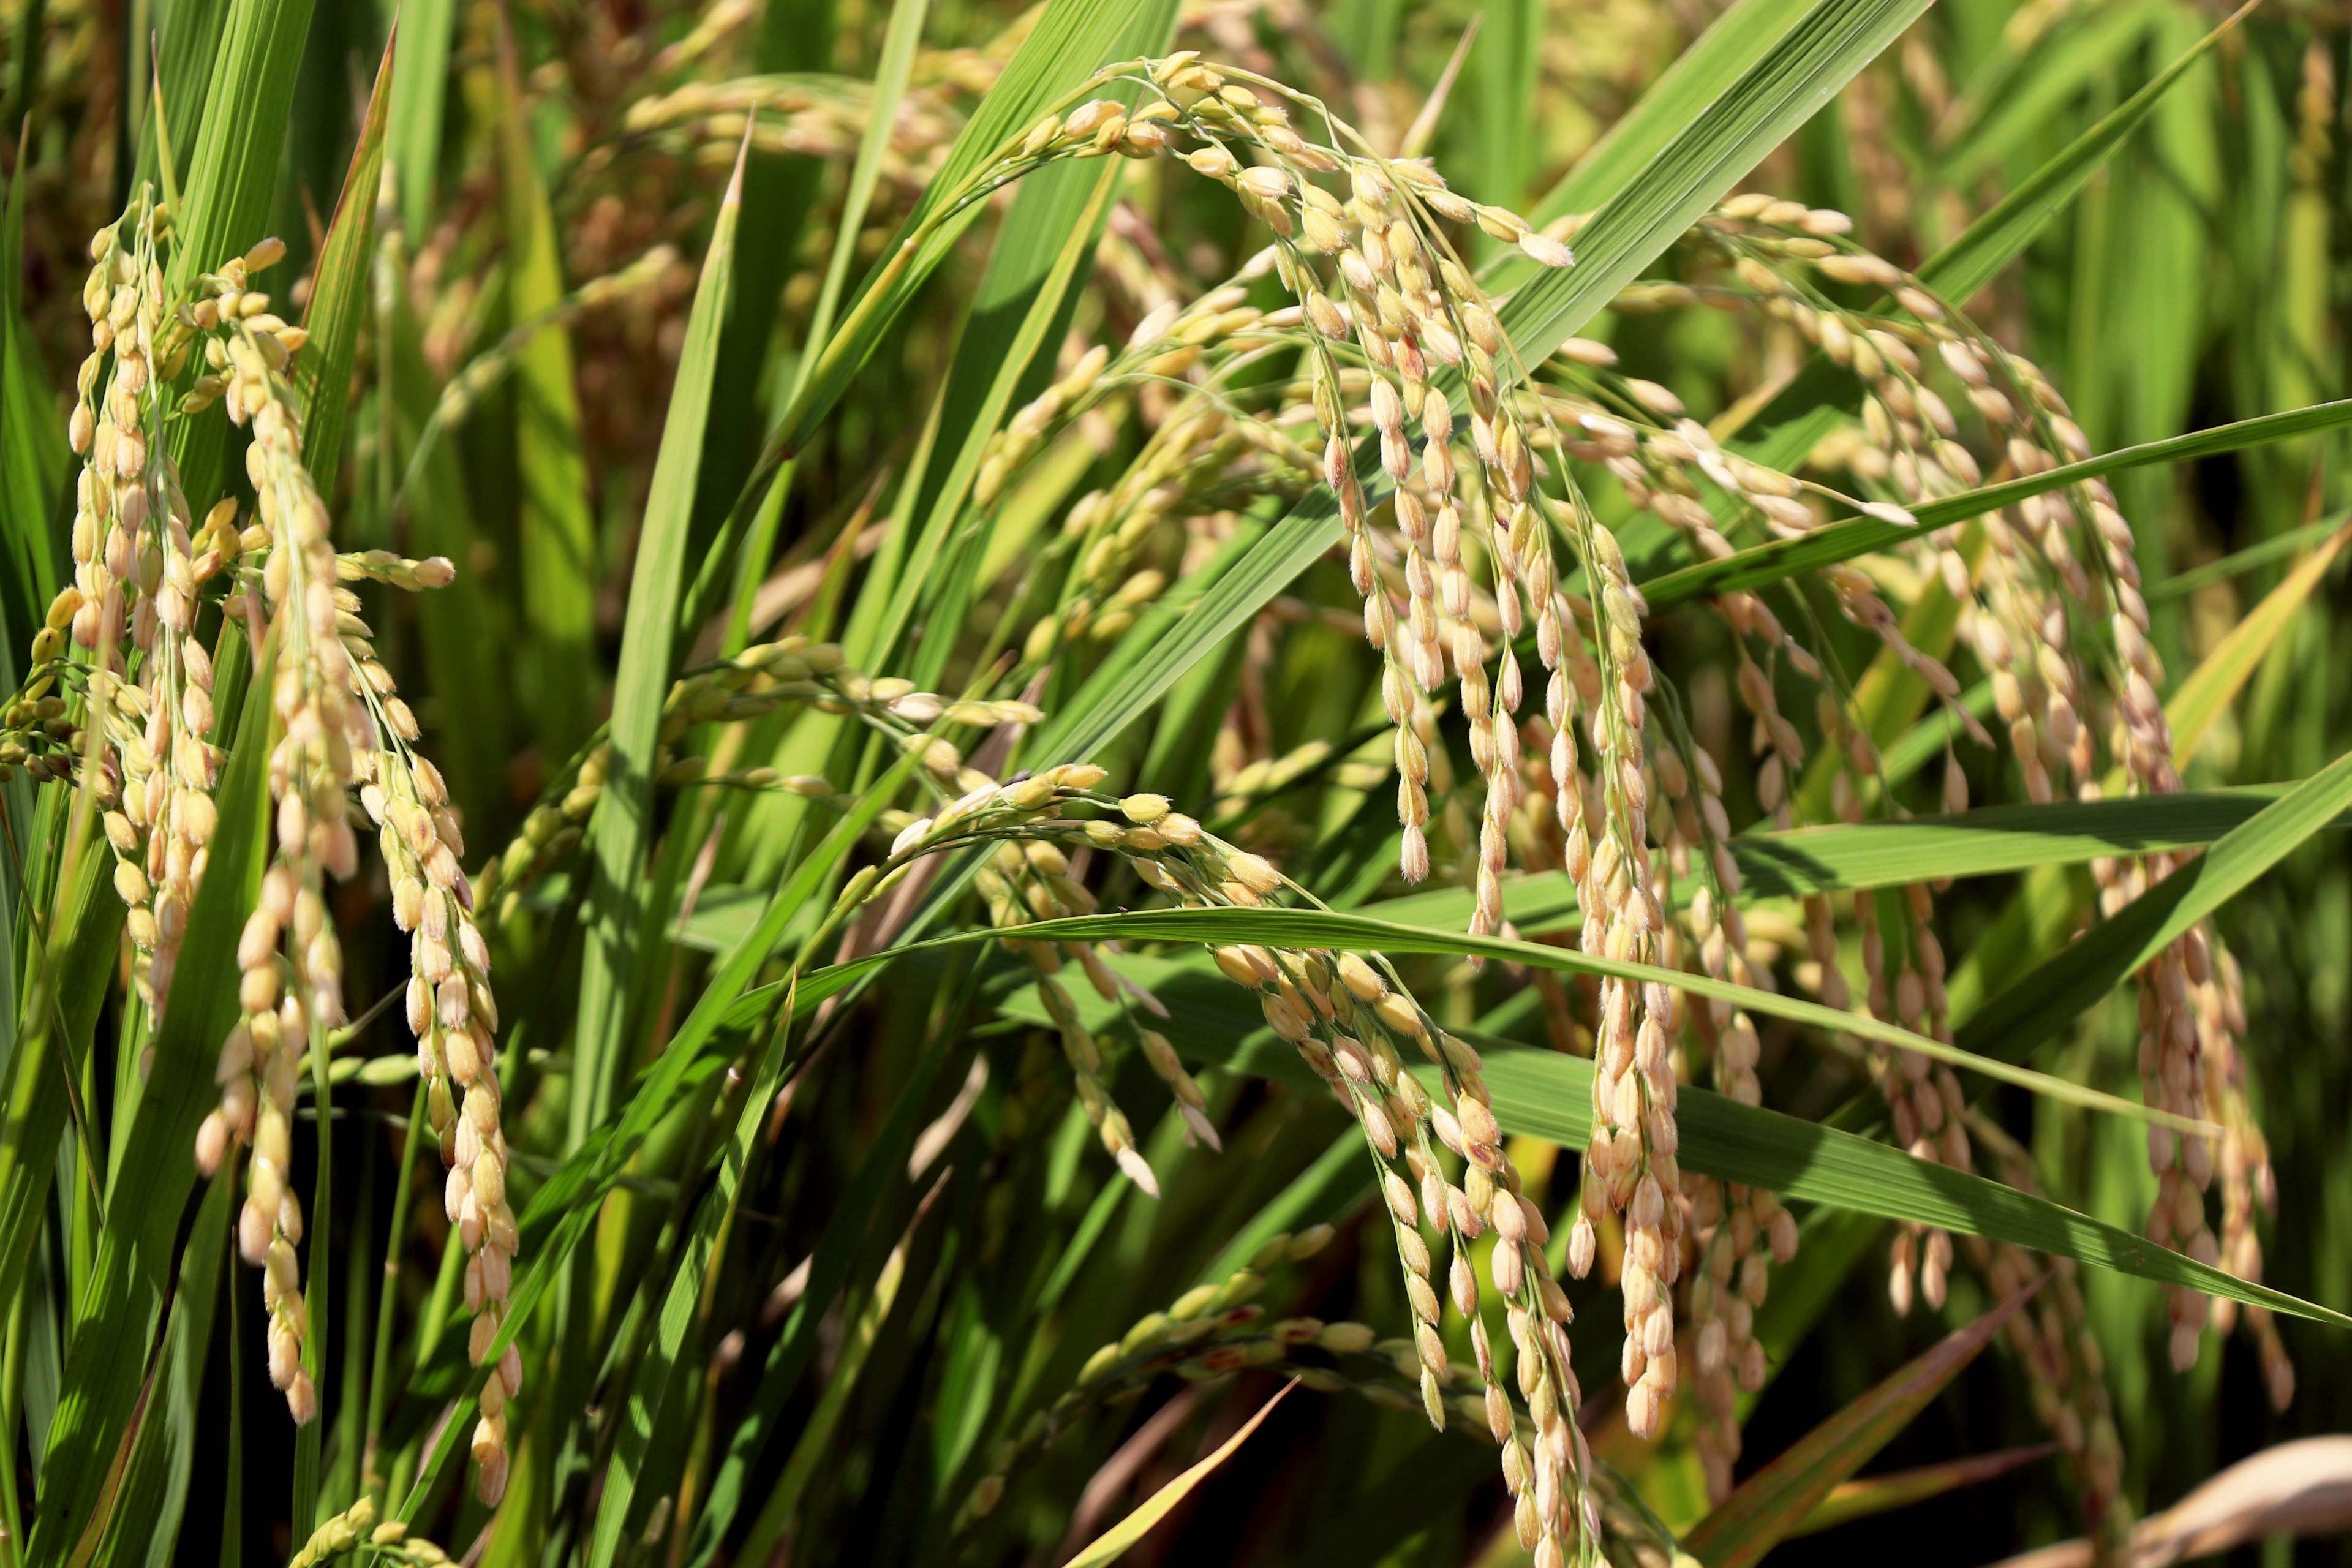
[[2040, 1003], [340, 294], [1785, 558], [1115, 1542], [622, 824]]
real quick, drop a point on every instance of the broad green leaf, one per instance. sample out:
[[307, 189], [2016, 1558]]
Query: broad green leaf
[[339, 293], [1116, 1541], [2214, 684], [1732, 44], [1839, 856], [622, 827], [1785, 558], [1770, 1504], [419, 84], [2036, 1006]]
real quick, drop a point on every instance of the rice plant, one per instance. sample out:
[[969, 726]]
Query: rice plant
[[810, 781]]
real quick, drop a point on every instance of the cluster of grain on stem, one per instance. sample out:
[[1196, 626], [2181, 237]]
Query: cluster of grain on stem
[[340, 725], [2051, 606], [2062, 1357], [1409, 305], [1214, 1329], [813, 117], [139, 568], [1631, 1164], [291, 990], [1735, 1232], [1348, 1019], [355, 1533], [1032, 881]]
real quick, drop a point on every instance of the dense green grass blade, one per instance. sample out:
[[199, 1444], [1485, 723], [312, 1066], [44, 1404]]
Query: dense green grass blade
[[1070, 42], [121, 1310], [1786, 558], [2036, 1006], [622, 827], [879, 1172], [232, 178], [341, 296], [186, 44], [942, 563], [1509, 53], [453, 623], [564, 1209], [1970, 261], [778, 1514], [660, 1403], [62, 992], [898, 41], [1770, 1504], [2237, 563], [154, 1496], [1720, 144], [779, 191]]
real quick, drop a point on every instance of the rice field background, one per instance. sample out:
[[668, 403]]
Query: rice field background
[[914, 782]]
